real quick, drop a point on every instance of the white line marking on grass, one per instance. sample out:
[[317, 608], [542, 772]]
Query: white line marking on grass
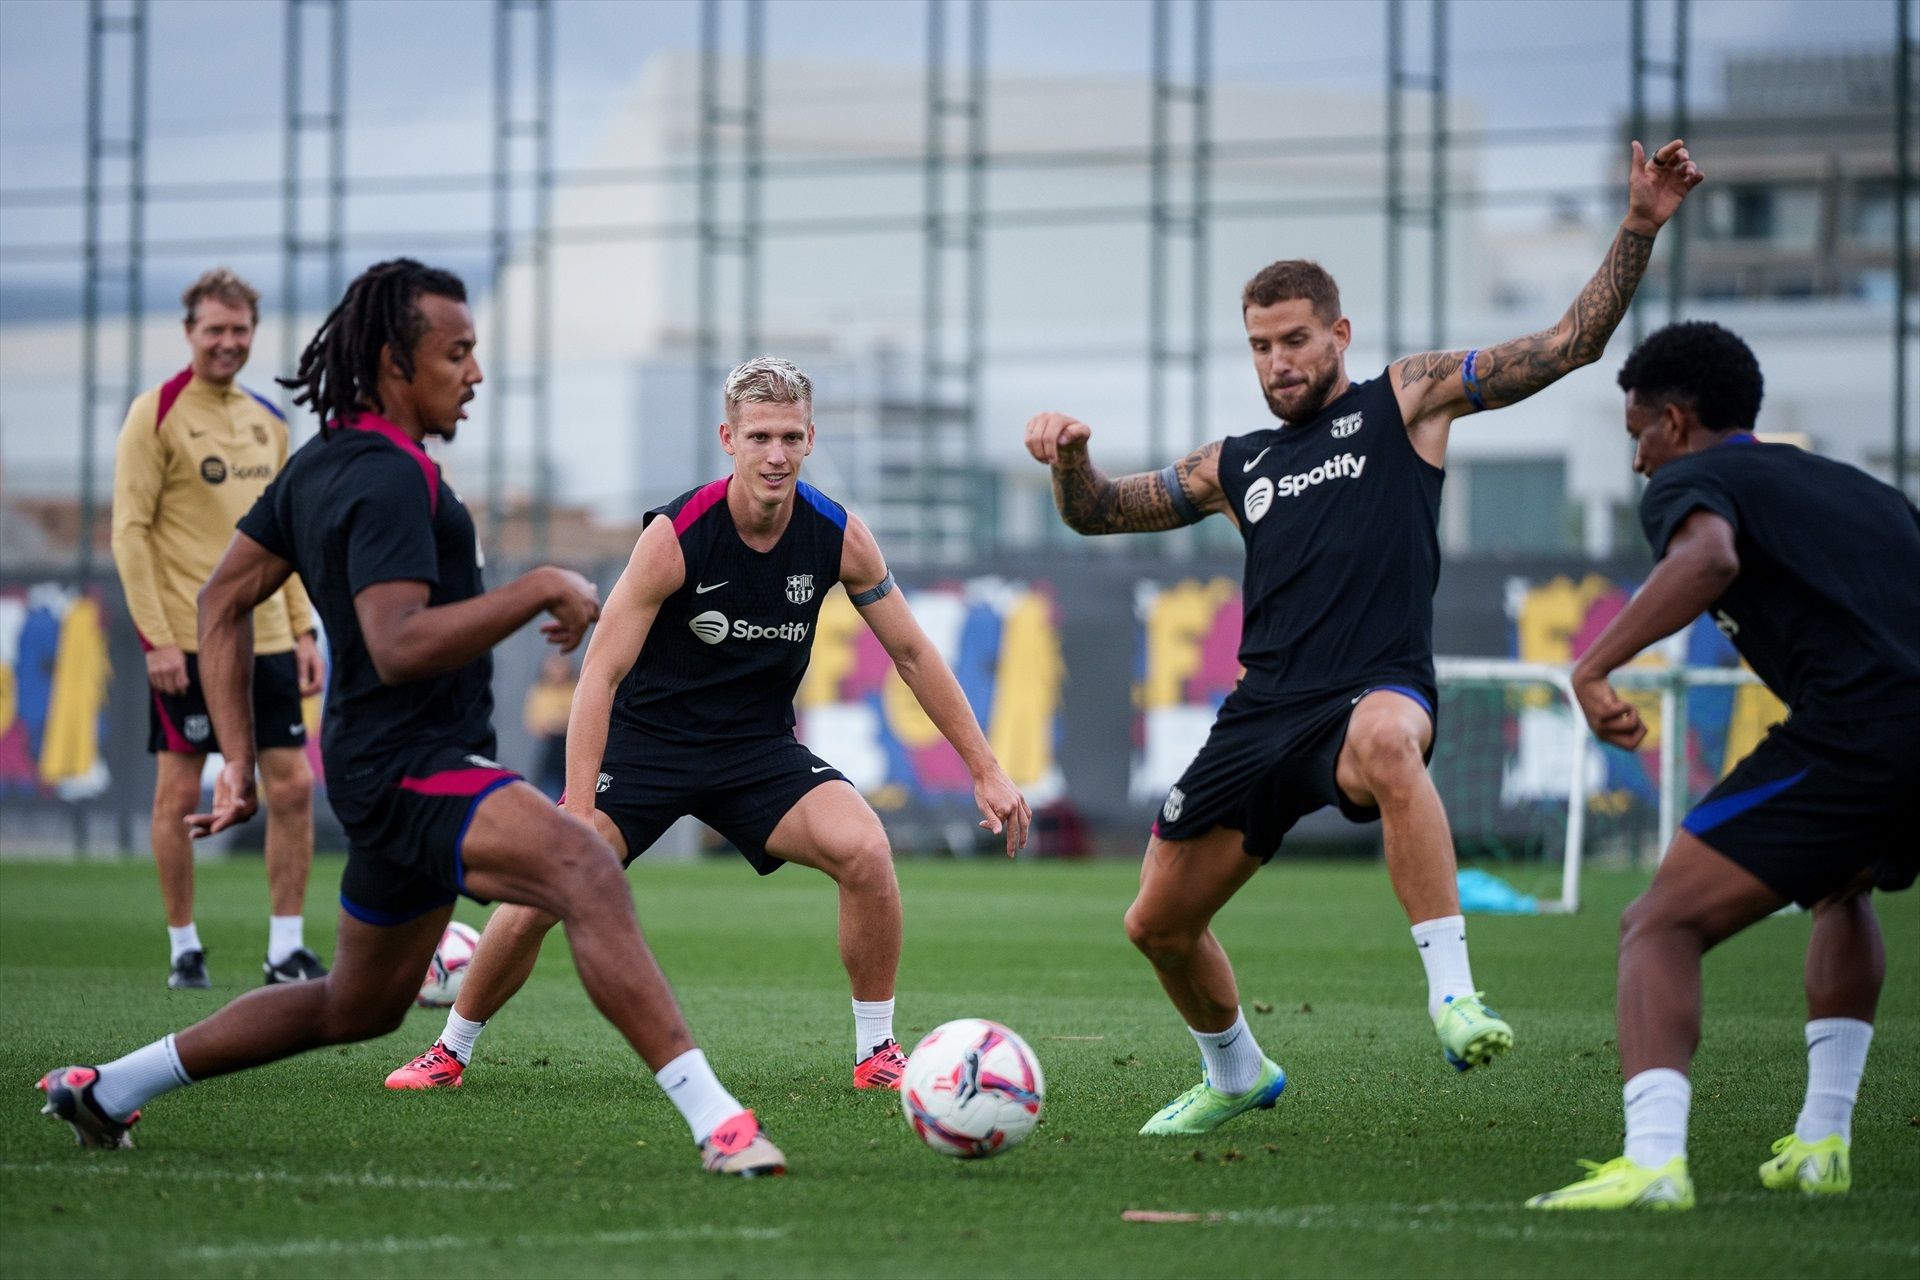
[[428, 1244], [376, 1181], [1432, 1219]]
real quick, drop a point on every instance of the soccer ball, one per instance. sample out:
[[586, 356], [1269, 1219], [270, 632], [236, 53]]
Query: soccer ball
[[972, 1089], [449, 968]]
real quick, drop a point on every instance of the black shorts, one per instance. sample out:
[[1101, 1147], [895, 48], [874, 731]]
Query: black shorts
[[1268, 763], [740, 789], [404, 837], [1817, 803], [178, 722]]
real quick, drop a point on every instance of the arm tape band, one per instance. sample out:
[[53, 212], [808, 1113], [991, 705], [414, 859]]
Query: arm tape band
[[1471, 380], [1182, 504], [875, 593]]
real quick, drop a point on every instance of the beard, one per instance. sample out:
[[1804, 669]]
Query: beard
[[1312, 398]]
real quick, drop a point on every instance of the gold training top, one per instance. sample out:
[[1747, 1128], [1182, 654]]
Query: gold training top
[[192, 459]]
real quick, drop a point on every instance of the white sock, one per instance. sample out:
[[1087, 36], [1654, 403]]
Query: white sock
[[703, 1101], [129, 1083], [460, 1035], [285, 935], [872, 1026], [182, 940], [1232, 1056], [1657, 1102], [1836, 1056], [1443, 952]]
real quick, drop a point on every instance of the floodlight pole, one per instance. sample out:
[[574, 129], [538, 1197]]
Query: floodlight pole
[[1903, 52], [957, 504], [522, 118], [1643, 66], [1169, 222], [303, 124], [717, 237], [1401, 212]]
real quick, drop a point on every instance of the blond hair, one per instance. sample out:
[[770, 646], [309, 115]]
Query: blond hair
[[768, 380]]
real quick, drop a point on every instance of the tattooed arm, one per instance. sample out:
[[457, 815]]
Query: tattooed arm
[[1091, 502], [1436, 387]]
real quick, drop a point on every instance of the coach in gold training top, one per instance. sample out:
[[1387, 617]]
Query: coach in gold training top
[[194, 454]]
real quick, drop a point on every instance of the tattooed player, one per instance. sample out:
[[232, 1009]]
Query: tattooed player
[[1339, 509]]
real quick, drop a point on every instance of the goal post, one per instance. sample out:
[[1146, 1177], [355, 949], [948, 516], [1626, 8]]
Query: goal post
[[1533, 797]]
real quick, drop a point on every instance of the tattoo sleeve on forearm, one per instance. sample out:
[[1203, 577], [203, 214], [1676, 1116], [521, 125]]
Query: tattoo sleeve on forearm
[[1514, 370], [1092, 503]]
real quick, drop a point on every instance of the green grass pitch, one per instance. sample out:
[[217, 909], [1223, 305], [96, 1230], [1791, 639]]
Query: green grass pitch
[[561, 1158]]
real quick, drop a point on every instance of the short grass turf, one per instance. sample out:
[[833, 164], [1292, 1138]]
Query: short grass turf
[[561, 1158]]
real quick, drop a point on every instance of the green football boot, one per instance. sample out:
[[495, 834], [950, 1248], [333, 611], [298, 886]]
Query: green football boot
[[1622, 1184], [1822, 1168], [1203, 1108], [1471, 1035]]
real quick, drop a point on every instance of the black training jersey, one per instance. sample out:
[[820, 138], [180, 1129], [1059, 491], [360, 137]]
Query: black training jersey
[[1341, 521], [1826, 607], [358, 506], [726, 652]]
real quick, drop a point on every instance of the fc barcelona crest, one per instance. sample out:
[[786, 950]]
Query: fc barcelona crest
[[800, 587]]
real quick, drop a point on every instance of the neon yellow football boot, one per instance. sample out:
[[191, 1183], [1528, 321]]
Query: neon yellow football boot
[[1622, 1184], [1204, 1108], [1471, 1035], [1823, 1168]]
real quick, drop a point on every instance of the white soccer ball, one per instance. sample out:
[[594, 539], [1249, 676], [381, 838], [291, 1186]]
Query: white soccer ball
[[972, 1089], [449, 968]]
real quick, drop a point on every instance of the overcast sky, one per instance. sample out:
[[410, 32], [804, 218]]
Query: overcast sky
[[421, 70]]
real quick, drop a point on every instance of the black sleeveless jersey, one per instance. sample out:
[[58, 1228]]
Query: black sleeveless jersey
[[726, 653], [1341, 522], [1826, 606]]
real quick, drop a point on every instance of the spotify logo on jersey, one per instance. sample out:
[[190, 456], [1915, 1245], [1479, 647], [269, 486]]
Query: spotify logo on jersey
[[710, 626], [1259, 498]]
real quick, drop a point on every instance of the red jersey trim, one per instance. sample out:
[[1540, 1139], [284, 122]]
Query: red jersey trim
[[169, 392], [703, 500], [428, 467]]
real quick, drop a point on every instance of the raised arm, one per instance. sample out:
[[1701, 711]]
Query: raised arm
[[1435, 387], [863, 571], [247, 574], [1091, 502], [655, 571]]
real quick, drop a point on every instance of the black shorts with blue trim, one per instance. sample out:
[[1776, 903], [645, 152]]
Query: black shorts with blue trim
[[740, 788], [1817, 803], [404, 835], [1269, 762]]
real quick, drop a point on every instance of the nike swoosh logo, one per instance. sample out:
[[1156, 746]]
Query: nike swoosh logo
[[1256, 459], [700, 590], [822, 769]]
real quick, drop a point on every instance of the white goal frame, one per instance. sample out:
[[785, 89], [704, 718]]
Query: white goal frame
[[1672, 683]]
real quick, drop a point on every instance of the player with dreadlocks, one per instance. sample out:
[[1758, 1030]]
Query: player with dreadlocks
[[388, 552]]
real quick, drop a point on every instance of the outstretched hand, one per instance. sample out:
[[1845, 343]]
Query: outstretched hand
[[233, 801], [1658, 184], [1005, 808]]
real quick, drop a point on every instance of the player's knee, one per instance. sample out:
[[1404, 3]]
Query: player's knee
[[345, 1021], [1388, 751], [588, 875], [289, 793], [867, 865], [1155, 936], [1650, 914], [176, 797]]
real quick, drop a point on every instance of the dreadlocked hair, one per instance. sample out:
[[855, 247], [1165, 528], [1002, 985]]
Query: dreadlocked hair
[[338, 373]]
